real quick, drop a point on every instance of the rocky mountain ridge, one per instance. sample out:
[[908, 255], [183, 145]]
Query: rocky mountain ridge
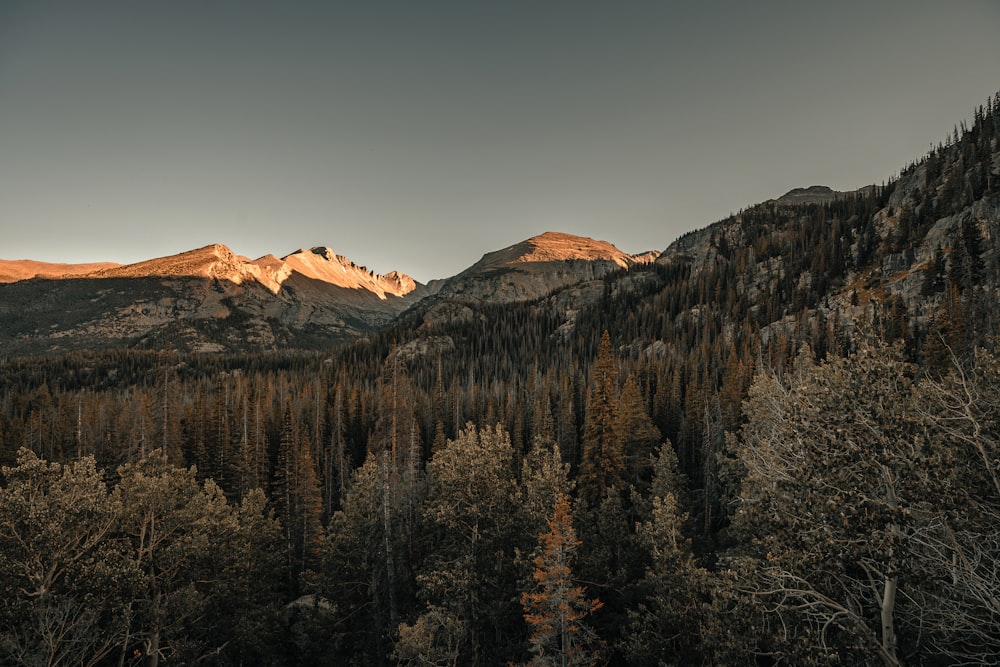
[[211, 299], [12, 271], [218, 262], [814, 258]]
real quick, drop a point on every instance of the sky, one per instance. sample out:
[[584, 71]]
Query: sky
[[419, 135]]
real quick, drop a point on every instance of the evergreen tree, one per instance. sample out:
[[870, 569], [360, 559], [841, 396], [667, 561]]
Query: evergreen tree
[[634, 432], [183, 538], [665, 625], [355, 574], [297, 495], [544, 476], [556, 608], [65, 580], [603, 462], [471, 512], [841, 510]]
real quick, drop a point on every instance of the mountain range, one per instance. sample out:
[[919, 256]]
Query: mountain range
[[210, 299], [909, 252]]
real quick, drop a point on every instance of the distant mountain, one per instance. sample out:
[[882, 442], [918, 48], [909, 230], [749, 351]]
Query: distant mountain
[[326, 266], [916, 257], [211, 299], [220, 263], [525, 271], [12, 271], [814, 194], [535, 267]]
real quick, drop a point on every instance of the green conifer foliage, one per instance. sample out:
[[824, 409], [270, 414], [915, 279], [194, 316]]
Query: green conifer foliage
[[603, 463]]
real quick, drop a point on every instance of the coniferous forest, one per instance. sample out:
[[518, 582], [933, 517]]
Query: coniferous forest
[[779, 445]]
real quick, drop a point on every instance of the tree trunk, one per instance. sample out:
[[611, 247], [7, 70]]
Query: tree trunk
[[128, 636], [888, 609], [153, 649], [390, 569], [891, 580]]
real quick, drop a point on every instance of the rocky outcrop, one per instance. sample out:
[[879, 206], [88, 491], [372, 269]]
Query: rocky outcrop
[[536, 267], [209, 299]]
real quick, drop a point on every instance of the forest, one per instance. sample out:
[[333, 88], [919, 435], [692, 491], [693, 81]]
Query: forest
[[772, 452]]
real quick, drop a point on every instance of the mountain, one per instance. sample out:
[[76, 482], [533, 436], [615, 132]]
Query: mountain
[[326, 266], [814, 258], [814, 194], [535, 267], [211, 299], [208, 299], [12, 271], [220, 263]]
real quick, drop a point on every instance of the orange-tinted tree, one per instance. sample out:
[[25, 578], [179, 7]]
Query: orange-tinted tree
[[555, 609]]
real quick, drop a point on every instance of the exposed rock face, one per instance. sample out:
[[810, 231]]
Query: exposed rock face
[[220, 263], [814, 194], [533, 268], [325, 265], [425, 346], [569, 270], [208, 299], [213, 261], [648, 257], [211, 299]]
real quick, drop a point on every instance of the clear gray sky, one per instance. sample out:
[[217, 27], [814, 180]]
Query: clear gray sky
[[417, 135]]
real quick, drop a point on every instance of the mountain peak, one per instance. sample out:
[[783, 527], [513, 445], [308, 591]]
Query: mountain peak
[[535, 267], [325, 252], [814, 194], [219, 262], [558, 247], [322, 263], [211, 261]]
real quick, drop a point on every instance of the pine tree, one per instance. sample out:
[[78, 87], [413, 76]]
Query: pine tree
[[471, 513], [555, 609], [544, 476], [357, 574], [297, 494], [283, 485], [603, 462], [309, 508], [846, 509], [64, 578], [664, 624], [634, 432]]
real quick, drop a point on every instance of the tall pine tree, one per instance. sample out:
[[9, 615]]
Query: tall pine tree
[[603, 455], [555, 609]]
